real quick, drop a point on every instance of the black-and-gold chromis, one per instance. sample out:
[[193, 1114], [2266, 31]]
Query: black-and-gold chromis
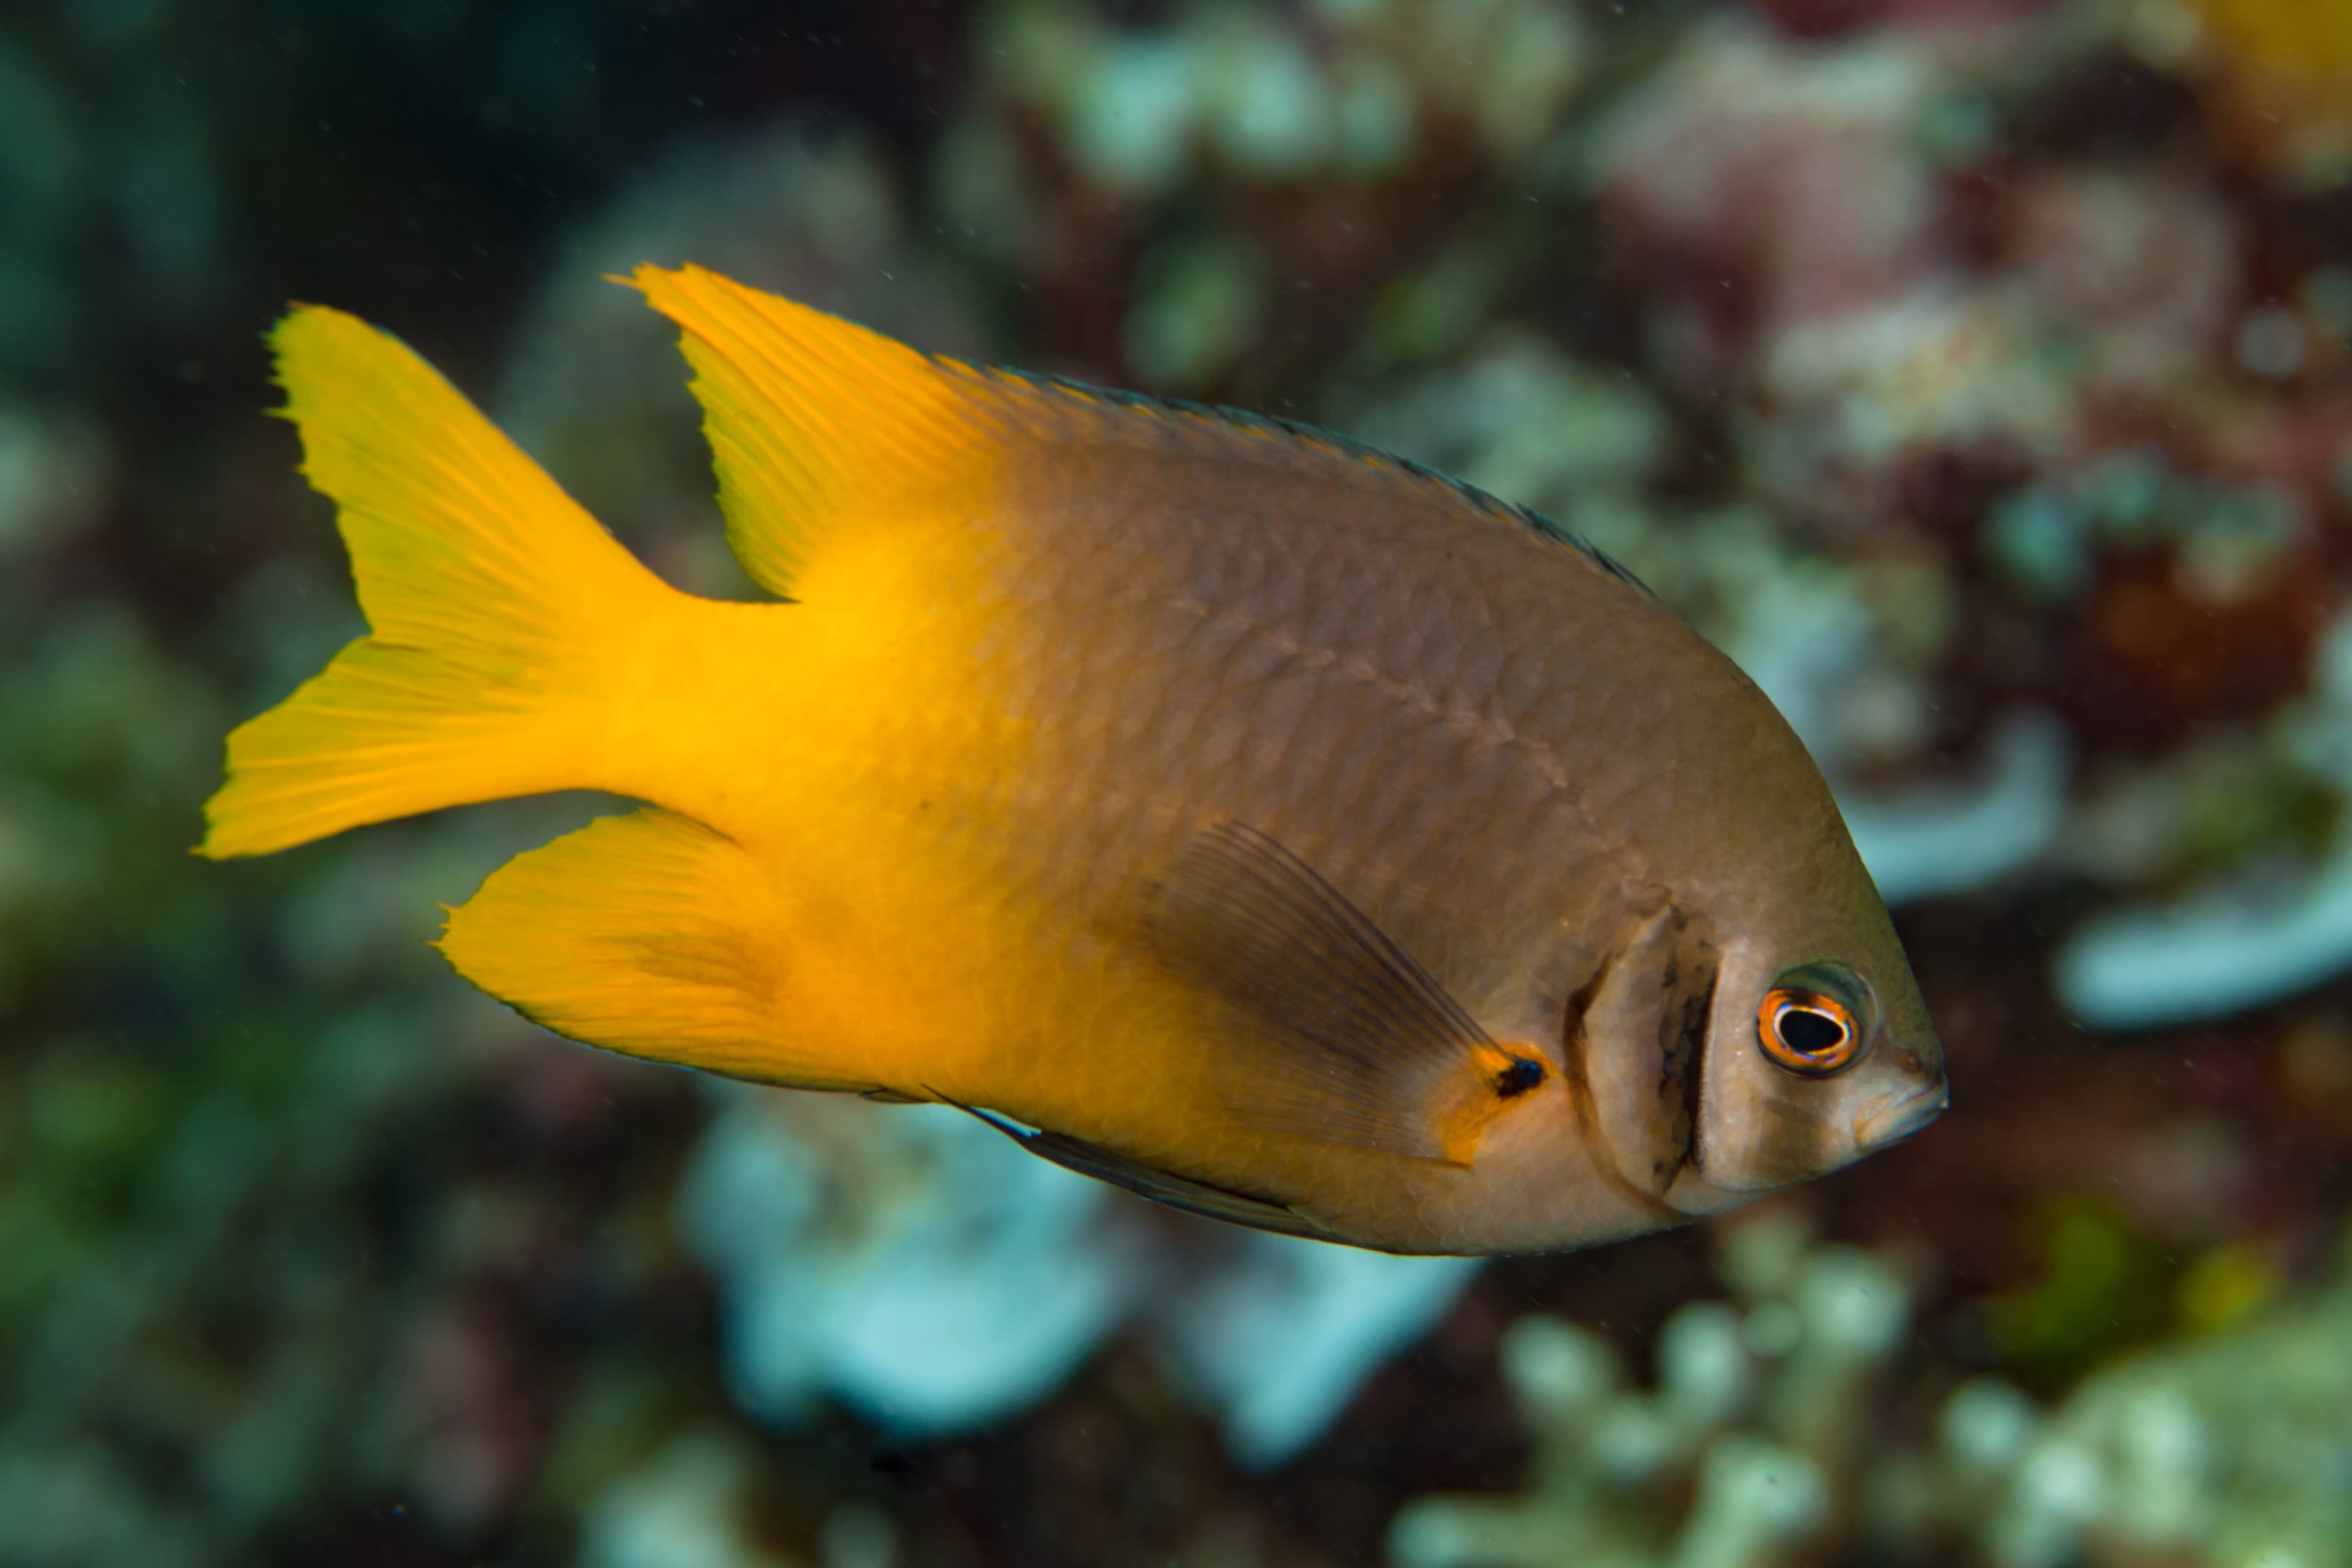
[[1221, 808]]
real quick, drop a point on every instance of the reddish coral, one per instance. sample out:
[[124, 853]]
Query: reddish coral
[[2158, 659]]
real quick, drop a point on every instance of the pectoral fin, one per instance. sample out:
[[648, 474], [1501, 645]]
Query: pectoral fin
[[1337, 1034]]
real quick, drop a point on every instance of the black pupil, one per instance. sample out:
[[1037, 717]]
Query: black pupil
[[1810, 1033]]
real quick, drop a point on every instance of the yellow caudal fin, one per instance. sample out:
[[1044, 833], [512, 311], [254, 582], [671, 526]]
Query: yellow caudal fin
[[501, 612], [817, 425], [647, 934]]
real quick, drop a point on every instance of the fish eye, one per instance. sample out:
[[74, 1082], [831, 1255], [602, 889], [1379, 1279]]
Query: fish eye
[[1809, 1032]]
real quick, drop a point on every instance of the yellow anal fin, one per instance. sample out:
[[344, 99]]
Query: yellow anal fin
[[648, 935], [817, 425]]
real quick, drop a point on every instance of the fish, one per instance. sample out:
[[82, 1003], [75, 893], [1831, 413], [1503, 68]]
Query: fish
[[1276, 828]]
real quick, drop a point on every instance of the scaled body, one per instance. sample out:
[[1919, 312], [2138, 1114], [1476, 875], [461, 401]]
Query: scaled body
[[1276, 828]]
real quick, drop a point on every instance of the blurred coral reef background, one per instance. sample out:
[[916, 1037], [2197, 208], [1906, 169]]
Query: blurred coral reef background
[[1979, 372]]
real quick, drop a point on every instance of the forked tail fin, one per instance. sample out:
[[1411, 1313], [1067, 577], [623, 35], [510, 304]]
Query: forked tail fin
[[502, 616]]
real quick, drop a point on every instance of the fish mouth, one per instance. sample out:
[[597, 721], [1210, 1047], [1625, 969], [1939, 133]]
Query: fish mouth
[[1897, 1117]]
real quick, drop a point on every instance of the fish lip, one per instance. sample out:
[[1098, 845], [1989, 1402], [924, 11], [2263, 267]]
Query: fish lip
[[1897, 1117]]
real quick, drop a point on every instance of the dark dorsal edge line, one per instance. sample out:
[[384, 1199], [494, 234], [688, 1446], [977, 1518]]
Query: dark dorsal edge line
[[1213, 415]]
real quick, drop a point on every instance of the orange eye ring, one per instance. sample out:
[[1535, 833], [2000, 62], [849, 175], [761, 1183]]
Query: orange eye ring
[[1806, 1032]]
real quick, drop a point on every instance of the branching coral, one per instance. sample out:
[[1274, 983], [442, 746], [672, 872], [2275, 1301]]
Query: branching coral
[[1736, 1455], [1762, 1441]]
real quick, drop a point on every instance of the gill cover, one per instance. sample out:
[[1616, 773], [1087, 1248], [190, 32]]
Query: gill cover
[[1636, 1045]]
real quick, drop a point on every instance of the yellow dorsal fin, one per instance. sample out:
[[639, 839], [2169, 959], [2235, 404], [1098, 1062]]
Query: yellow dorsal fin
[[816, 423], [647, 934]]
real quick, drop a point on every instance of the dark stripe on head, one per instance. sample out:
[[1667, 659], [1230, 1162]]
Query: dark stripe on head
[[1688, 1003], [1575, 1045]]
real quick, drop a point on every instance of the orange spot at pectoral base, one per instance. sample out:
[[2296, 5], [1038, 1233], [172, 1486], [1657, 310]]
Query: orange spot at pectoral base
[[1502, 1076]]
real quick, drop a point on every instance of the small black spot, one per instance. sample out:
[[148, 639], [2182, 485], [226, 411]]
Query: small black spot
[[1523, 1074]]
